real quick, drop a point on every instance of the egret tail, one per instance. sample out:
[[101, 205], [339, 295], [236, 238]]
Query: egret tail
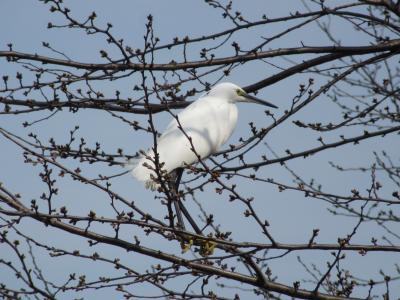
[[142, 172]]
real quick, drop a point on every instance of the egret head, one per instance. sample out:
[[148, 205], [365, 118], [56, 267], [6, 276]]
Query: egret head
[[234, 93]]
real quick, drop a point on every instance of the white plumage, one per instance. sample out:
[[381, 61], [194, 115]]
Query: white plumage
[[209, 122]]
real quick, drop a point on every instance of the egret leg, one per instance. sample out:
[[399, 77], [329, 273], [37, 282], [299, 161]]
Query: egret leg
[[182, 209], [175, 198]]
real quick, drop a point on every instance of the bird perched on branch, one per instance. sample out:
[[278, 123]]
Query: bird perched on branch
[[198, 131], [195, 133]]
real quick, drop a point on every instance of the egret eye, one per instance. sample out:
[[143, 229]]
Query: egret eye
[[240, 92]]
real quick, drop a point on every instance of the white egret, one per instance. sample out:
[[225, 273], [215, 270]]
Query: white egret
[[209, 122], [197, 131]]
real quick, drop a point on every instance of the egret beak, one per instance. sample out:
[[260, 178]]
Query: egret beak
[[253, 99]]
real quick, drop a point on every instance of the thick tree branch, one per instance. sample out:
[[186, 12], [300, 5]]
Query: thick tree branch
[[392, 45]]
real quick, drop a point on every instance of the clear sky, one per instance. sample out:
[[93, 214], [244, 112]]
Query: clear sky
[[292, 217]]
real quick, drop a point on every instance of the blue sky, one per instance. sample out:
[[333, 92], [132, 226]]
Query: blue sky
[[292, 217]]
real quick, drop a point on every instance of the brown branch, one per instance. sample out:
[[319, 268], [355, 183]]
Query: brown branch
[[392, 45], [389, 4], [309, 152], [100, 104], [363, 248]]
